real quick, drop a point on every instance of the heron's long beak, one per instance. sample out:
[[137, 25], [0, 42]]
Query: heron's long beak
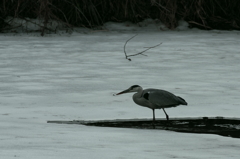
[[125, 91]]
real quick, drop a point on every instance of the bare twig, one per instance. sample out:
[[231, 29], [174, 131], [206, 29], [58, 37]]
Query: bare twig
[[148, 48], [125, 47], [140, 53]]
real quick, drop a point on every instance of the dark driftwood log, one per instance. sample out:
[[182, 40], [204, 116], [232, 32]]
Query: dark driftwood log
[[208, 125]]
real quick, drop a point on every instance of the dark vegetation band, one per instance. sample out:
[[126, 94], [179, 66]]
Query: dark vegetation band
[[203, 14]]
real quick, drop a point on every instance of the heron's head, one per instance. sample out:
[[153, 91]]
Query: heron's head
[[134, 88]]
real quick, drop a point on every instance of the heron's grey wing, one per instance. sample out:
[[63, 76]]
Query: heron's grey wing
[[162, 98]]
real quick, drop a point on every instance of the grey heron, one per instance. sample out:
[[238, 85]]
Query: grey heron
[[154, 98]]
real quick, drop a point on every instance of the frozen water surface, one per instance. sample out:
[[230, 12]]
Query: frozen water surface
[[74, 77]]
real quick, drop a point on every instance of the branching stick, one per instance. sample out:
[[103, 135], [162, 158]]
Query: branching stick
[[140, 53]]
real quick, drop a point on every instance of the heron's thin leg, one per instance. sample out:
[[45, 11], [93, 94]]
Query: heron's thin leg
[[153, 123], [153, 115], [165, 113]]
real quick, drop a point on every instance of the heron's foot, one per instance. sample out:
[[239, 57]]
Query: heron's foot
[[167, 122], [153, 125], [167, 117]]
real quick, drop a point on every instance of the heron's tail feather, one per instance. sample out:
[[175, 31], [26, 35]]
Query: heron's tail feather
[[182, 101]]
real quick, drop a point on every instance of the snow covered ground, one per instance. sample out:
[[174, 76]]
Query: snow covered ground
[[74, 77]]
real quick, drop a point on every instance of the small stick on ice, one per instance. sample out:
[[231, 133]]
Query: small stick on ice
[[140, 53]]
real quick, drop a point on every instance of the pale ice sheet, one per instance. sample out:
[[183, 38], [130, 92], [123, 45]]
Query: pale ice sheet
[[62, 77]]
